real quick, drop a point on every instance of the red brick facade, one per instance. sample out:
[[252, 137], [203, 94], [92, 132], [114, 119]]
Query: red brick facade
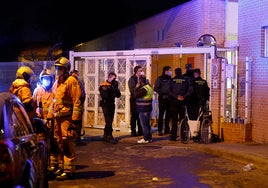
[[185, 24], [252, 18]]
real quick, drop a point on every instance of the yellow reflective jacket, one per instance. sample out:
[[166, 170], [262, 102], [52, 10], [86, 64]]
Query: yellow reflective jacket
[[42, 99], [67, 99], [22, 90]]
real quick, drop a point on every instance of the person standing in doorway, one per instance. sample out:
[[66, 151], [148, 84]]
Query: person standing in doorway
[[189, 75], [144, 97], [200, 96], [180, 91], [134, 119], [162, 87], [109, 91]]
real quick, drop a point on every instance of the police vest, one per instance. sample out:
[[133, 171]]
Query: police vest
[[144, 103]]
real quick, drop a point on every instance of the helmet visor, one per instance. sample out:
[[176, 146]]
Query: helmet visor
[[60, 70], [46, 82]]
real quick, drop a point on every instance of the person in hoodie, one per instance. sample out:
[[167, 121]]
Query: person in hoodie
[[162, 87], [180, 91], [21, 87]]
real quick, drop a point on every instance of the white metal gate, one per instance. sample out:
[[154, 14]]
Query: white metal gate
[[95, 71], [95, 66]]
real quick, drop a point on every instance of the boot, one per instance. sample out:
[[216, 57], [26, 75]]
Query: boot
[[104, 138], [65, 176], [79, 142], [111, 139]]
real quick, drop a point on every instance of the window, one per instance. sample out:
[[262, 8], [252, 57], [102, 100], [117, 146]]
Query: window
[[160, 35], [20, 124], [264, 41]]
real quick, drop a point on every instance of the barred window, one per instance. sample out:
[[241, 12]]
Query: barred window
[[264, 41]]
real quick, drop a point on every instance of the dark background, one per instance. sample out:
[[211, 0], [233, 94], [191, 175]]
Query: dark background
[[34, 22]]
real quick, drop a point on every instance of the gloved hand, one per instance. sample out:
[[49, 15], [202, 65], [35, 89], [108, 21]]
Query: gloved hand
[[39, 112], [49, 122], [74, 125], [76, 122]]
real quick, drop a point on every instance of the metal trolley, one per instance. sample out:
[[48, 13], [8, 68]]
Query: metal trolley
[[192, 130]]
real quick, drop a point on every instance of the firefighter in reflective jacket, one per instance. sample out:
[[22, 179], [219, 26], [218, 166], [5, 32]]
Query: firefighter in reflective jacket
[[80, 131], [43, 97], [66, 111], [22, 89]]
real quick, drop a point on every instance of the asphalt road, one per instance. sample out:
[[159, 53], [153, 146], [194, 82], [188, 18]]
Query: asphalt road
[[162, 163]]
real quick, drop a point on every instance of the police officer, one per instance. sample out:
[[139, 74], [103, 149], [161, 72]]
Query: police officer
[[200, 96], [189, 75], [180, 91], [22, 89], [109, 91], [162, 87], [66, 110]]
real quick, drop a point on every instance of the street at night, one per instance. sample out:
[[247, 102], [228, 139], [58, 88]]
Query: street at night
[[162, 163]]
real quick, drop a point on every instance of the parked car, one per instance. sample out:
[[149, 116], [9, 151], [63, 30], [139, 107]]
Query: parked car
[[23, 152]]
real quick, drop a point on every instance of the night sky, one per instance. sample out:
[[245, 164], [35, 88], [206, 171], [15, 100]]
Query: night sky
[[28, 22]]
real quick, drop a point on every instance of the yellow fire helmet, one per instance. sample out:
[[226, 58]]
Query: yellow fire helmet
[[63, 62], [24, 72]]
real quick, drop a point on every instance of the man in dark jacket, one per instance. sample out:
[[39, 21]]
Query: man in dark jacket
[[109, 91], [134, 119], [200, 95], [162, 87], [189, 74], [180, 91]]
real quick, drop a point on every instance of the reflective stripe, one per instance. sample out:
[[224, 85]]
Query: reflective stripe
[[149, 94], [144, 104], [62, 114]]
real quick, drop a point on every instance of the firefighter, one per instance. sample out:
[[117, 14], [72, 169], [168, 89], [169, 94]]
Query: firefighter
[[22, 89], [43, 97], [80, 130], [66, 111]]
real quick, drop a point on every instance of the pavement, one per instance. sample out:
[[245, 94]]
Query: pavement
[[245, 153]]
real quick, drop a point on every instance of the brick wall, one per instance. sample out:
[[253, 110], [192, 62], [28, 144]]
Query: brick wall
[[185, 24], [252, 17]]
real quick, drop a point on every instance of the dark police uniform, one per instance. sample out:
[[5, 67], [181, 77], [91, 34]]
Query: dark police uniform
[[162, 87], [179, 87], [108, 92]]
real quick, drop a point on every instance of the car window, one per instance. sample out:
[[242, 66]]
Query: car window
[[18, 122]]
